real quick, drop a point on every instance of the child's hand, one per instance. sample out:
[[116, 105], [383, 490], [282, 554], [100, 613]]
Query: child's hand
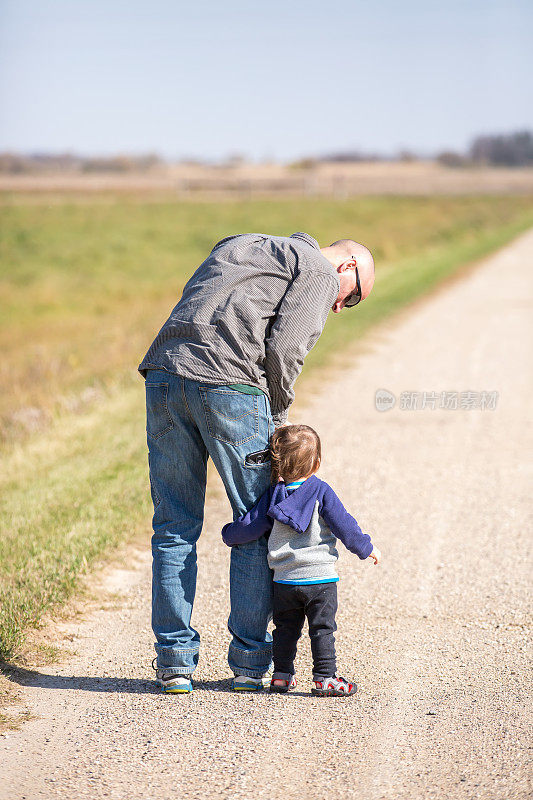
[[375, 555]]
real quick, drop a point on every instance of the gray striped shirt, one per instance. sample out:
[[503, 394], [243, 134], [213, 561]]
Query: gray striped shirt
[[249, 314]]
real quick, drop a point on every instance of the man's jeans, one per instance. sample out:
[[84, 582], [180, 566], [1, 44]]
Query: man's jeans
[[187, 421]]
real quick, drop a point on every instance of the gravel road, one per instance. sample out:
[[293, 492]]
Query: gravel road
[[436, 636]]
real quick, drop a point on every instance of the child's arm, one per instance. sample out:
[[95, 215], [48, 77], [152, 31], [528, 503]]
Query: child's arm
[[343, 525], [252, 525]]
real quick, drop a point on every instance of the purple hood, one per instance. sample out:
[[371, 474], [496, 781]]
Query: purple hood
[[295, 508]]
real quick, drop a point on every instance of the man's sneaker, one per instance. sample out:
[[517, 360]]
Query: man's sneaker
[[242, 683], [172, 683], [333, 687], [282, 682]]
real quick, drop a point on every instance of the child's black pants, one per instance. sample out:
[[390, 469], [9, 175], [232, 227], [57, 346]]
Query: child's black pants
[[292, 604]]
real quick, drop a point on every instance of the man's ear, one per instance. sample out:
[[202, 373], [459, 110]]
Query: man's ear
[[350, 263]]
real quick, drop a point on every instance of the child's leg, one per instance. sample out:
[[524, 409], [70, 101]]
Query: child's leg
[[289, 616], [320, 610]]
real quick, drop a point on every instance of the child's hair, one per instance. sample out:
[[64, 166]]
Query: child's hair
[[295, 452]]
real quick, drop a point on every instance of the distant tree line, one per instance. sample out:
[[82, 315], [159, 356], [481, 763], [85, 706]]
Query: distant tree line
[[16, 163], [500, 150], [513, 150], [506, 150]]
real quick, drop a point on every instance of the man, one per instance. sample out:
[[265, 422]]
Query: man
[[219, 380]]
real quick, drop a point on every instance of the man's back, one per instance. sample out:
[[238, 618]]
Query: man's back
[[232, 315]]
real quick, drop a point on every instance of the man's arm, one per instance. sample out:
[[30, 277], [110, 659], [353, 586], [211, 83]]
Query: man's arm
[[252, 525], [343, 525], [299, 322]]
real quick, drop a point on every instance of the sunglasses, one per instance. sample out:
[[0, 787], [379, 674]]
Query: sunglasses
[[355, 297]]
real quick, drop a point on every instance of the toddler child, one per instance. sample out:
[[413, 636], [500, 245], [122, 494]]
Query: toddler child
[[302, 517]]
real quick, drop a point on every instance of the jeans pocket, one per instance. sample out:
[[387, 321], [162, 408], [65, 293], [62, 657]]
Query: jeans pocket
[[158, 419], [231, 416]]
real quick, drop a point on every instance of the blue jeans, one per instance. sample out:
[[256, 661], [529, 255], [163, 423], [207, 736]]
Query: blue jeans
[[188, 421]]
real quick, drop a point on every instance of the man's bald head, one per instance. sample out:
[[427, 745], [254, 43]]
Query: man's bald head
[[347, 248], [345, 255]]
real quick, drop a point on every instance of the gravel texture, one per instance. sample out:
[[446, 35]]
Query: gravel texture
[[436, 636]]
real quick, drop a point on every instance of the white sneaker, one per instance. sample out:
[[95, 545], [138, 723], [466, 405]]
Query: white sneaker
[[171, 683], [242, 683], [174, 684]]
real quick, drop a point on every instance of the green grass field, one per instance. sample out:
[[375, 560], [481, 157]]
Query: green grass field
[[85, 286]]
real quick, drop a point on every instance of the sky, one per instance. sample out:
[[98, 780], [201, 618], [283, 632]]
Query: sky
[[277, 79]]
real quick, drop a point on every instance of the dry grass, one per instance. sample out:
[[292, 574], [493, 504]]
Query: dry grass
[[321, 179]]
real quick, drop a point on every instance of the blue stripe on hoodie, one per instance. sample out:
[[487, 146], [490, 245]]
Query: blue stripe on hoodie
[[296, 509]]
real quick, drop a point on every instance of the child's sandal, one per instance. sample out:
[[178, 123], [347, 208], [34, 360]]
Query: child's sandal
[[333, 687], [285, 680]]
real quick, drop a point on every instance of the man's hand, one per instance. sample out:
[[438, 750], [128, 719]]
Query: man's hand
[[375, 555]]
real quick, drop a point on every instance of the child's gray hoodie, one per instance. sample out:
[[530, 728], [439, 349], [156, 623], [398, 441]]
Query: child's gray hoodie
[[303, 527]]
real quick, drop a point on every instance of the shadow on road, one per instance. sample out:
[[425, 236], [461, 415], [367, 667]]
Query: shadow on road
[[28, 677]]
